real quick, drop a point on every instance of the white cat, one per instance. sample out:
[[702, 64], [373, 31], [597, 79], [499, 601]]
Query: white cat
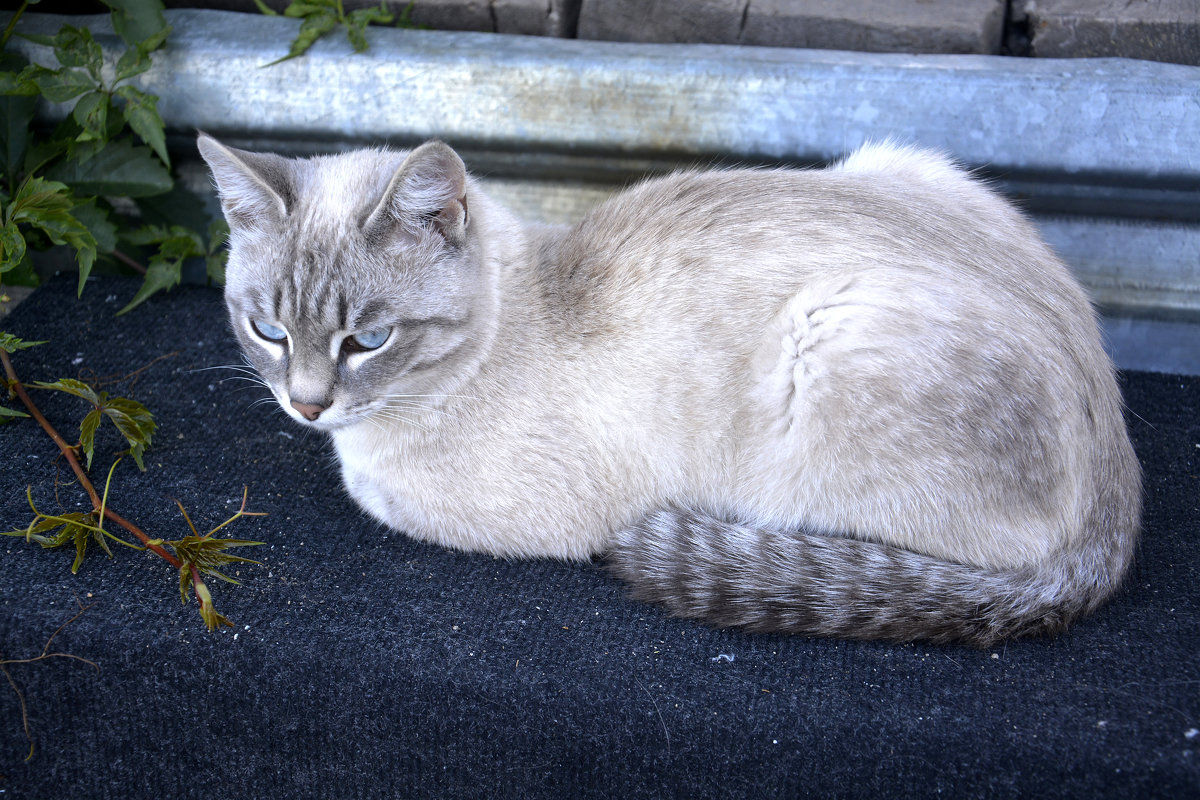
[[865, 401]]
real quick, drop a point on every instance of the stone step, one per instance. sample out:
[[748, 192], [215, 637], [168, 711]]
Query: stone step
[[1162, 30], [881, 26]]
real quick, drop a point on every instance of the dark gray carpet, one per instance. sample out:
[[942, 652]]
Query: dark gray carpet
[[363, 664]]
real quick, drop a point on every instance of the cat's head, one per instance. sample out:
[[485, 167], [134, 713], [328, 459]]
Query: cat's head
[[357, 282]]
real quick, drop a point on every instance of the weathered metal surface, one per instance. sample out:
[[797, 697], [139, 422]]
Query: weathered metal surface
[[1106, 117], [1114, 142]]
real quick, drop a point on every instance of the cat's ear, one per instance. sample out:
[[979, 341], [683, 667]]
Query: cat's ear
[[429, 188], [253, 187]]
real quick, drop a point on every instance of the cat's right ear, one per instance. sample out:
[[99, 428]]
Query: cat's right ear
[[427, 191], [253, 187]]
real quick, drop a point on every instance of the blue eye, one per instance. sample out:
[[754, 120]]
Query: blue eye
[[366, 340], [272, 333]]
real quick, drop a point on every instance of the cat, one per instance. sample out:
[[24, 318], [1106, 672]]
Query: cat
[[865, 401]]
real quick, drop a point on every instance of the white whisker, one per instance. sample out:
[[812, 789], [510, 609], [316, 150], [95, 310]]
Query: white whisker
[[234, 367], [255, 381], [416, 407], [429, 396], [399, 417]]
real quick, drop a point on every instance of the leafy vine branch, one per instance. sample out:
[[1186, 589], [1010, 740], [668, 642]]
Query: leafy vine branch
[[193, 556], [99, 183]]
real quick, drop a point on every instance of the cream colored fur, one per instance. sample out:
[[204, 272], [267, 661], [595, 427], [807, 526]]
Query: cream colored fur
[[883, 350]]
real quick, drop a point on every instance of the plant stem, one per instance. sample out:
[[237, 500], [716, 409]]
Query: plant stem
[[129, 262], [12, 23], [68, 452]]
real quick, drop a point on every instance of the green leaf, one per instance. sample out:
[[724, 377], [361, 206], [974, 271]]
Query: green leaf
[[208, 612], [357, 37], [38, 38], [39, 525], [75, 47], [91, 112], [59, 86], [85, 256], [137, 21], [122, 168], [207, 553], [175, 244], [81, 537], [134, 61], [8, 413], [141, 112], [46, 205], [313, 28], [16, 114], [299, 9], [217, 255], [36, 196], [160, 274], [134, 421], [23, 274], [87, 434], [405, 18], [12, 247], [97, 221], [77, 528], [180, 206], [11, 344], [152, 43], [43, 150], [14, 83], [72, 386], [174, 241], [266, 9], [366, 16]]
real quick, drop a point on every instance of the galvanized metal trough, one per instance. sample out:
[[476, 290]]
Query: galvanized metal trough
[[1105, 153]]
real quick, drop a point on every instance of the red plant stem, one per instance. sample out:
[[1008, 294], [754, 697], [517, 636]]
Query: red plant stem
[[197, 581], [146, 540], [67, 450], [129, 262], [69, 453]]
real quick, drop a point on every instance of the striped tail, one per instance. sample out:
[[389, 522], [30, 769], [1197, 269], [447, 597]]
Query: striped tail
[[734, 575]]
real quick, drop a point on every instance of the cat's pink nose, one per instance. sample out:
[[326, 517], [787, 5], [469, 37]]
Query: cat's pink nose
[[310, 411]]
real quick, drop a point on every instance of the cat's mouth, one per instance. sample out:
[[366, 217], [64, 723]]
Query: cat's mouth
[[329, 418], [316, 415]]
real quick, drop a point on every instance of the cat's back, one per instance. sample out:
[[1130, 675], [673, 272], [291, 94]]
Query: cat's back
[[747, 239]]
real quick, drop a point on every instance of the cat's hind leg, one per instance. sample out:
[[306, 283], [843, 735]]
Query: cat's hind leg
[[867, 419]]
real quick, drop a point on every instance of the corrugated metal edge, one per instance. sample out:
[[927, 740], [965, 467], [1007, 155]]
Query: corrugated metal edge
[[1111, 117], [529, 109]]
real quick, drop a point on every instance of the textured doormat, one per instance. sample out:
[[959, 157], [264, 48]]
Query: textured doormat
[[363, 664]]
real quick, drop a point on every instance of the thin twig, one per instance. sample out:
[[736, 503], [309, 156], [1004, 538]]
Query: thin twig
[[45, 654], [129, 262], [99, 381]]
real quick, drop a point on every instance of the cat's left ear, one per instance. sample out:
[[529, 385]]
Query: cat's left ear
[[253, 187], [429, 189]]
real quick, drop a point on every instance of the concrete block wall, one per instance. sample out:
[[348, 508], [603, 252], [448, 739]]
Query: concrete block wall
[[525, 17], [1157, 30], [881, 26]]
